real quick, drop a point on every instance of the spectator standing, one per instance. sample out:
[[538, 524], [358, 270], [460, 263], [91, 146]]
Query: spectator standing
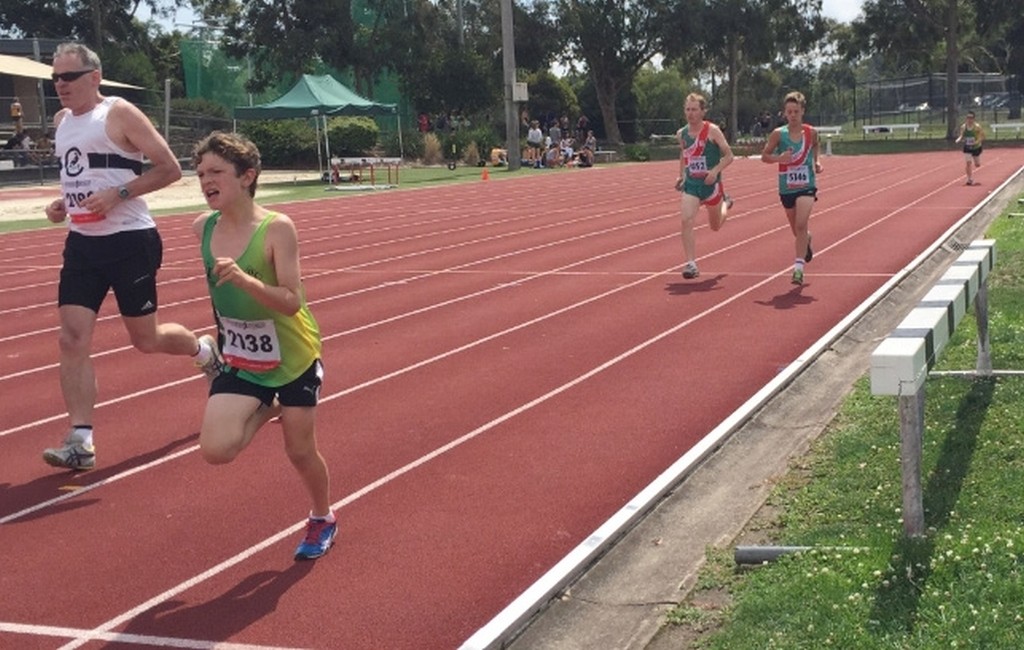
[[555, 132], [16, 115], [582, 128], [534, 144]]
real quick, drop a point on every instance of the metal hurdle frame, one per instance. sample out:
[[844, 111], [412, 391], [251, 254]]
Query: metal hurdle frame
[[900, 364]]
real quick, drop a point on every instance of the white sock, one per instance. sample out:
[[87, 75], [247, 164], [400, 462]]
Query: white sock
[[82, 434], [798, 264], [329, 517], [203, 354]]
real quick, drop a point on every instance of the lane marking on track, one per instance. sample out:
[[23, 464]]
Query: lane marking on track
[[409, 467], [532, 599], [428, 308], [405, 469], [136, 639], [435, 358], [98, 632]]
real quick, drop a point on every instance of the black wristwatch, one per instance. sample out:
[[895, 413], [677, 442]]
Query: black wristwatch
[[123, 192]]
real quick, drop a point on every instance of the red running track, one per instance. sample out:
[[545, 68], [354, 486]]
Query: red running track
[[508, 363]]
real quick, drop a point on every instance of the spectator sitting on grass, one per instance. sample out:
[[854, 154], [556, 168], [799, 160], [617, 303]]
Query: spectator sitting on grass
[[553, 157], [567, 145]]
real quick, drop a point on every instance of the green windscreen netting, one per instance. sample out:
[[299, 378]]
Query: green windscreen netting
[[210, 74]]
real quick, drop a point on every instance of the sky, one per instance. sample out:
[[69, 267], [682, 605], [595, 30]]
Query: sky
[[841, 10]]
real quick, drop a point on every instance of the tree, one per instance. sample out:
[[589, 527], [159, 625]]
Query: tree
[[738, 35], [660, 96], [615, 38], [110, 23], [932, 31]]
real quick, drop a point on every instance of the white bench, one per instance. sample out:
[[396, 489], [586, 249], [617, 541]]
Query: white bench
[[656, 137], [890, 128], [1009, 126], [367, 161], [355, 170], [608, 155], [829, 130]]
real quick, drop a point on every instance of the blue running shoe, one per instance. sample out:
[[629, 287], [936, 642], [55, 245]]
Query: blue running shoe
[[319, 539]]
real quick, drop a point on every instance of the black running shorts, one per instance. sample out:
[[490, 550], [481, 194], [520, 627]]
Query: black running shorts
[[126, 262]]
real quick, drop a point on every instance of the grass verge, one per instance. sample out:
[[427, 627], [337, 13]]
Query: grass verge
[[311, 188], [865, 585]]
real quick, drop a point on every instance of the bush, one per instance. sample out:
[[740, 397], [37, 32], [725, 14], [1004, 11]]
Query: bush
[[352, 136], [432, 154], [472, 155], [185, 111], [283, 143], [411, 145], [485, 138], [637, 152], [454, 144]]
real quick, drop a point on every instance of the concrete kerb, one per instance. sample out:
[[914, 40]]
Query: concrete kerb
[[619, 599]]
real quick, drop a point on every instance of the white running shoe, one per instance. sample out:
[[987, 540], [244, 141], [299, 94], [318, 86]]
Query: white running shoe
[[73, 454], [215, 364]]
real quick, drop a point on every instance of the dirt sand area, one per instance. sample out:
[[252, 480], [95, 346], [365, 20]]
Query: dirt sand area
[[29, 201]]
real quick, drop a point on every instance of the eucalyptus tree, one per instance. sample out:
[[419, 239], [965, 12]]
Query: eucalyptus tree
[[98, 24], [445, 53], [446, 58], [953, 34], [614, 39], [741, 34]]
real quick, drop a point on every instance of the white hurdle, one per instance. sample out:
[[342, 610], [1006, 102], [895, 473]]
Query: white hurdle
[[900, 363]]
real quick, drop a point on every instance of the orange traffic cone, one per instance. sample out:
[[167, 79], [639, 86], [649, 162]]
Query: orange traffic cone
[[485, 175]]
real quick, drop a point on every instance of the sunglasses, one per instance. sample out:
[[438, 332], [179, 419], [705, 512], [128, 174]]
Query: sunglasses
[[70, 76]]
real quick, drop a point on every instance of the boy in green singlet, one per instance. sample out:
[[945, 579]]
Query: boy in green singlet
[[972, 136], [268, 338]]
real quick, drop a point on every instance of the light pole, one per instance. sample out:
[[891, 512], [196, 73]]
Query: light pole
[[508, 59]]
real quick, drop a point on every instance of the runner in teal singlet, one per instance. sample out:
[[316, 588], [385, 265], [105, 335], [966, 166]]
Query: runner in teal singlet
[[268, 338], [794, 148], [972, 136], [703, 154]]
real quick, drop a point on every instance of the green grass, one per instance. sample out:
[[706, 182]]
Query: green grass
[[962, 584]]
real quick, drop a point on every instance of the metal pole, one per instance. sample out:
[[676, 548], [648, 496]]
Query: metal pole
[[911, 434], [460, 20], [319, 150], [167, 110], [508, 58], [981, 316], [39, 88]]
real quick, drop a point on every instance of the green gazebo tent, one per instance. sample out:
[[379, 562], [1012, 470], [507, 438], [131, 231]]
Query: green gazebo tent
[[318, 96]]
